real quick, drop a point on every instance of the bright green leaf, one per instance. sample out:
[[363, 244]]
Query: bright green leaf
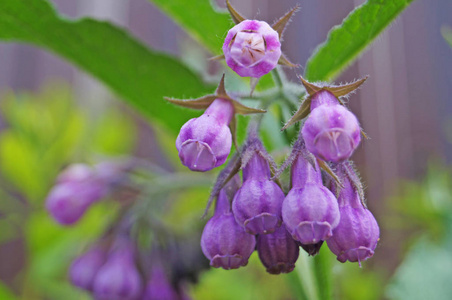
[[348, 40], [205, 23], [143, 77]]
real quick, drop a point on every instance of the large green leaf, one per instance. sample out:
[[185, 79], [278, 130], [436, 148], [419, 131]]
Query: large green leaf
[[136, 73], [205, 23], [347, 41]]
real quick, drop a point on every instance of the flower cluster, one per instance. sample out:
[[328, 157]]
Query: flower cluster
[[113, 273], [258, 214], [248, 217]]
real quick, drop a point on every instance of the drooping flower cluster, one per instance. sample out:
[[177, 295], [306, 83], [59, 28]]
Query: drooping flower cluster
[[252, 221], [259, 214], [118, 272]]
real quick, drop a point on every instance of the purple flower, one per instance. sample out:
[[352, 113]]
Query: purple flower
[[158, 286], [252, 48], [118, 278], [278, 251], [76, 189], [205, 142], [310, 211], [331, 131], [223, 241], [357, 234], [84, 268], [257, 204]]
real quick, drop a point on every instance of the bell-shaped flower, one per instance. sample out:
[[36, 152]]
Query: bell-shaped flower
[[205, 142], [331, 132], [224, 242], [357, 235], [278, 251], [310, 211], [257, 204]]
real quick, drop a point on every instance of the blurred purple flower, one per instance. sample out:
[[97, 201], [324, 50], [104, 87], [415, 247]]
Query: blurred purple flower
[[77, 188], [85, 267], [119, 279], [158, 286]]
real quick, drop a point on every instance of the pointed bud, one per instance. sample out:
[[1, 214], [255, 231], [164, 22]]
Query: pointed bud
[[205, 142], [310, 211], [277, 251], [223, 241], [118, 278], [331, 131], [356, 236], [84, 268], [252, 48], [257, 204], [77, 188]]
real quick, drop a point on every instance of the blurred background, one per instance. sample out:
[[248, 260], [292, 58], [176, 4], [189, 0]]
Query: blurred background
[[52, 114]]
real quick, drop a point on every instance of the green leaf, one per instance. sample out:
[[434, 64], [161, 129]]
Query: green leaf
[[348, 40], [203, 22], [143, 77], [6, 293]]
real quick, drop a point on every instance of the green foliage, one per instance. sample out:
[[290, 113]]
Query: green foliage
[[208, 25], [347, 41], [45, 132], [143, 77], [427, 268]]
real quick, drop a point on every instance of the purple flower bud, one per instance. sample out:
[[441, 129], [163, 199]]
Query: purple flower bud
[[76, 189], [278, 251], [257, 204], [331, 131], [224, 241], [205, 142], [84, 268], [118, 278], [357, 234], [310, 211], [158, 287], [252, 48]]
